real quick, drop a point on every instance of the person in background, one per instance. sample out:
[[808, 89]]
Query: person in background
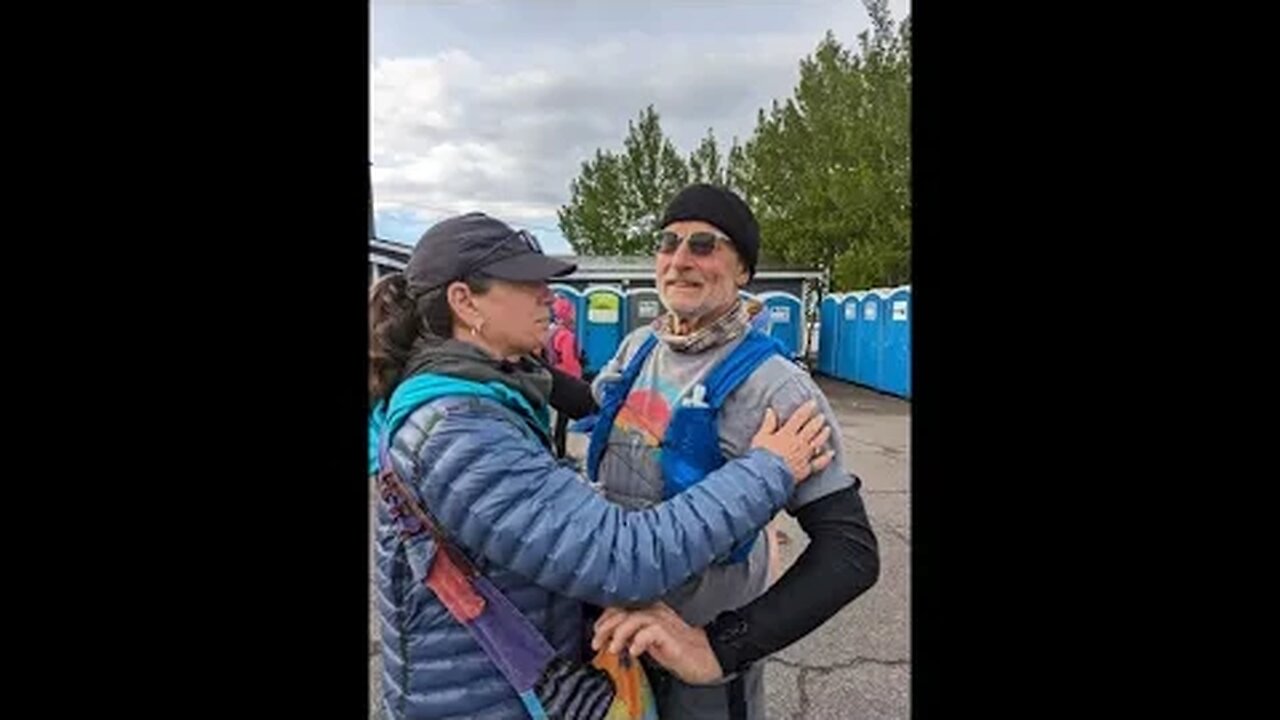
[[561, 353]]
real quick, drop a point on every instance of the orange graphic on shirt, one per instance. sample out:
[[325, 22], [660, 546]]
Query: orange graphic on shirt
[[647, 413]]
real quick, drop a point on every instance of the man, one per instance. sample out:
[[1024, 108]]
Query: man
[[681, 397]]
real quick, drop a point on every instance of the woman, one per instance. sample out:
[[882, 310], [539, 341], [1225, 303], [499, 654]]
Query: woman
[[462, 416]]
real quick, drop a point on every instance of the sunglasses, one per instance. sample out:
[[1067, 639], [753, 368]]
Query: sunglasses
[[701, 243], [522, 236]]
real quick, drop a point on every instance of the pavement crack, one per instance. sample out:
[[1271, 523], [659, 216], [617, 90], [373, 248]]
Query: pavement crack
[[847, 664], [803, 711]]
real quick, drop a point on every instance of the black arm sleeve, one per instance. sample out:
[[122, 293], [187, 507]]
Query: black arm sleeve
[[841, 562], [570, 395]]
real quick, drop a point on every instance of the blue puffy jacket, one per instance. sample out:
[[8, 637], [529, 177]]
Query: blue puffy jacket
[[543, 536]]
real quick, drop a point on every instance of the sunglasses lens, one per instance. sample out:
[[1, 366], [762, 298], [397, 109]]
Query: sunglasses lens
[[668, 242], [702, 243]]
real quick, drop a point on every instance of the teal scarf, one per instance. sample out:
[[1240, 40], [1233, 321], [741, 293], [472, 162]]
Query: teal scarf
[[425, 387]]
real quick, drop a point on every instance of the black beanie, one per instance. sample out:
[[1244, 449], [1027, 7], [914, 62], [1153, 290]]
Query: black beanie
[[724, 209]]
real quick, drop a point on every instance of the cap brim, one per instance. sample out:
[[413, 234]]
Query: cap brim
[[529, 267]]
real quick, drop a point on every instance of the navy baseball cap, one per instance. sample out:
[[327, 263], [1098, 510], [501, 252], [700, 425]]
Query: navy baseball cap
[[477, 244]]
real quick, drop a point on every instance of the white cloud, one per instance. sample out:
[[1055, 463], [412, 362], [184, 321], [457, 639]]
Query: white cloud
[[452, 131], [503, 125]]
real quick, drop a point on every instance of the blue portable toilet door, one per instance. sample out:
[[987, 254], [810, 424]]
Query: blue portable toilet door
[[786, 320], [824, 313], [782, 325], [832, 339], [847, 352], [897, 338], [828, 335], [906, 366], [879, 379], [867, 365], [603, 326], [906, 373]]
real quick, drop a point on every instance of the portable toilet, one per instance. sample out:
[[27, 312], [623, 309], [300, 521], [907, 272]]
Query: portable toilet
[[573, 295], [759, 321], [847, 350], [786, 319], [895, 368], [643, 307], [870, 322], [828, 334], [604, 325]]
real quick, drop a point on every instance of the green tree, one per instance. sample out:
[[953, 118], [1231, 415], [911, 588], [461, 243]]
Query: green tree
[[595, 220], [617, 200], [706, 164], [738, 168], [654, 173], [828, 171]]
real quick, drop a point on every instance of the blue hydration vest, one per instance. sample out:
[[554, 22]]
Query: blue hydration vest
[[690, 448]]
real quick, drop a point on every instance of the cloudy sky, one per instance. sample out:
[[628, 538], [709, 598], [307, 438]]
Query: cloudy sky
[[493, 106]]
